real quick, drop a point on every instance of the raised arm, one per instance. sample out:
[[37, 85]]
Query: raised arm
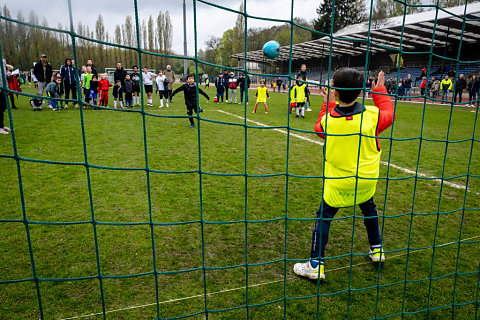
[[383, 102]]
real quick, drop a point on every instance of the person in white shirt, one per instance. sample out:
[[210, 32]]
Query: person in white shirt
[[162, 85], [148, 84]]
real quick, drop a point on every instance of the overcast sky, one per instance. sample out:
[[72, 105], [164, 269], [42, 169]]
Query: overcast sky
[[210, 20]]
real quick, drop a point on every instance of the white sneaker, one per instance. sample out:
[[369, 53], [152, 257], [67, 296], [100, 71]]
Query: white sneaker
[[305, 270], [309, 110], [50, 106], [167, 105], [6, 128], [3, 131], [161, 106], [376, 255]]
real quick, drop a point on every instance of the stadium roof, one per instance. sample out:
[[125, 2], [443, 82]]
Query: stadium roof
[[386, 35]]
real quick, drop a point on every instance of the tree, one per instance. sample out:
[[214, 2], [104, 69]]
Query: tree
[[344, 14]]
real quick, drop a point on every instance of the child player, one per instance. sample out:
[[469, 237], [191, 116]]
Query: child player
[[297, 96], [261, 94], [94, 89], [135, 76], [161, 83], [342, 124], [53, 91], [118, 94], [190, 93], [128, 91], [103, 89], [37, 103]]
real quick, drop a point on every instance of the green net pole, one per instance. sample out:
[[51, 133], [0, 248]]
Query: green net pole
[[415, 184], [287, 176], [246, 162], [16, 156], [468, 168], [147, 168], [87, 169], [200, 172]]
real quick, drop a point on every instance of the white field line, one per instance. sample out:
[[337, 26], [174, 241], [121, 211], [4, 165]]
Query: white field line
[[412, 172], [250, 285]]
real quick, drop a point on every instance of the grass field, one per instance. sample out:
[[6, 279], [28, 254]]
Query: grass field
[[200, 200]]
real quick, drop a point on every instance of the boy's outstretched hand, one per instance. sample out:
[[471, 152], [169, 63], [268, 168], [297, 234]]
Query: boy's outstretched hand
[[380, 81], [323, 92]]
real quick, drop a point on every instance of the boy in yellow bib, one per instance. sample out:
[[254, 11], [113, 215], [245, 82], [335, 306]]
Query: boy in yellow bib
[[340, 127], [297, 96]]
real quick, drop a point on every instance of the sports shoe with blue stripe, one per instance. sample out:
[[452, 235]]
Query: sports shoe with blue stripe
[[306, 270]]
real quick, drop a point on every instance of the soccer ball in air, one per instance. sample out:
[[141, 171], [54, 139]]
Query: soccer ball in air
[[271, 49]]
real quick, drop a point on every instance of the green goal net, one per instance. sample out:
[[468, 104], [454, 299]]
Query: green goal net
[[142, 219]]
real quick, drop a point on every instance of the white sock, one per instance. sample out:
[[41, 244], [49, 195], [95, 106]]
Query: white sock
[[121, 104], [114, 103], [161, 102], [303, 111], [298, 111], [149, 101]]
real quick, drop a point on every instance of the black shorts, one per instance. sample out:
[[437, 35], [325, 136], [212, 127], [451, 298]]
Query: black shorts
[[148, 88], [136, 89], [163, 94], [300, 104]]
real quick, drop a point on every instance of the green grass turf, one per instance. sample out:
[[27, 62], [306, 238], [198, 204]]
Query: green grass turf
[[415, 215]]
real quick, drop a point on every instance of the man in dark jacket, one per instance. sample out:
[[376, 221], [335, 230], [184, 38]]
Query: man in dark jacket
[[43, 72], [279, 84], [67, 73], [226, 76], [120, 74], [302, 75], [90, 64], [460, 85], [190, 93], [473, 88], [244, 84], [407, 83]]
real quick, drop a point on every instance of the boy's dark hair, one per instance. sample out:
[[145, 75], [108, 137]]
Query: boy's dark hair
[[347, 78], [94, 76], [118, 81], [135, 66], [190, 76]]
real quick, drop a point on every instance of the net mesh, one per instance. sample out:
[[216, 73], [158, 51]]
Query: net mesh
[[320, 298]]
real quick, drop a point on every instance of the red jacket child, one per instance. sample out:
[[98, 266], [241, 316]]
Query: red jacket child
[[103, 86]]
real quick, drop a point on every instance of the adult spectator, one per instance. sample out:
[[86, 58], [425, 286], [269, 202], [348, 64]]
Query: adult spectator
[[407, 84], [67, 73], [279, 84], [473, 88], [460, 85], [90, 64], [244, 84], [119, 74], [170, 76], [435, 89], [302, 75], [226, 76], [232, 87], [446, 86], [43, 72]]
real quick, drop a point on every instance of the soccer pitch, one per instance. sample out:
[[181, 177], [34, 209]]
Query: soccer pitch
[[212, 216]]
